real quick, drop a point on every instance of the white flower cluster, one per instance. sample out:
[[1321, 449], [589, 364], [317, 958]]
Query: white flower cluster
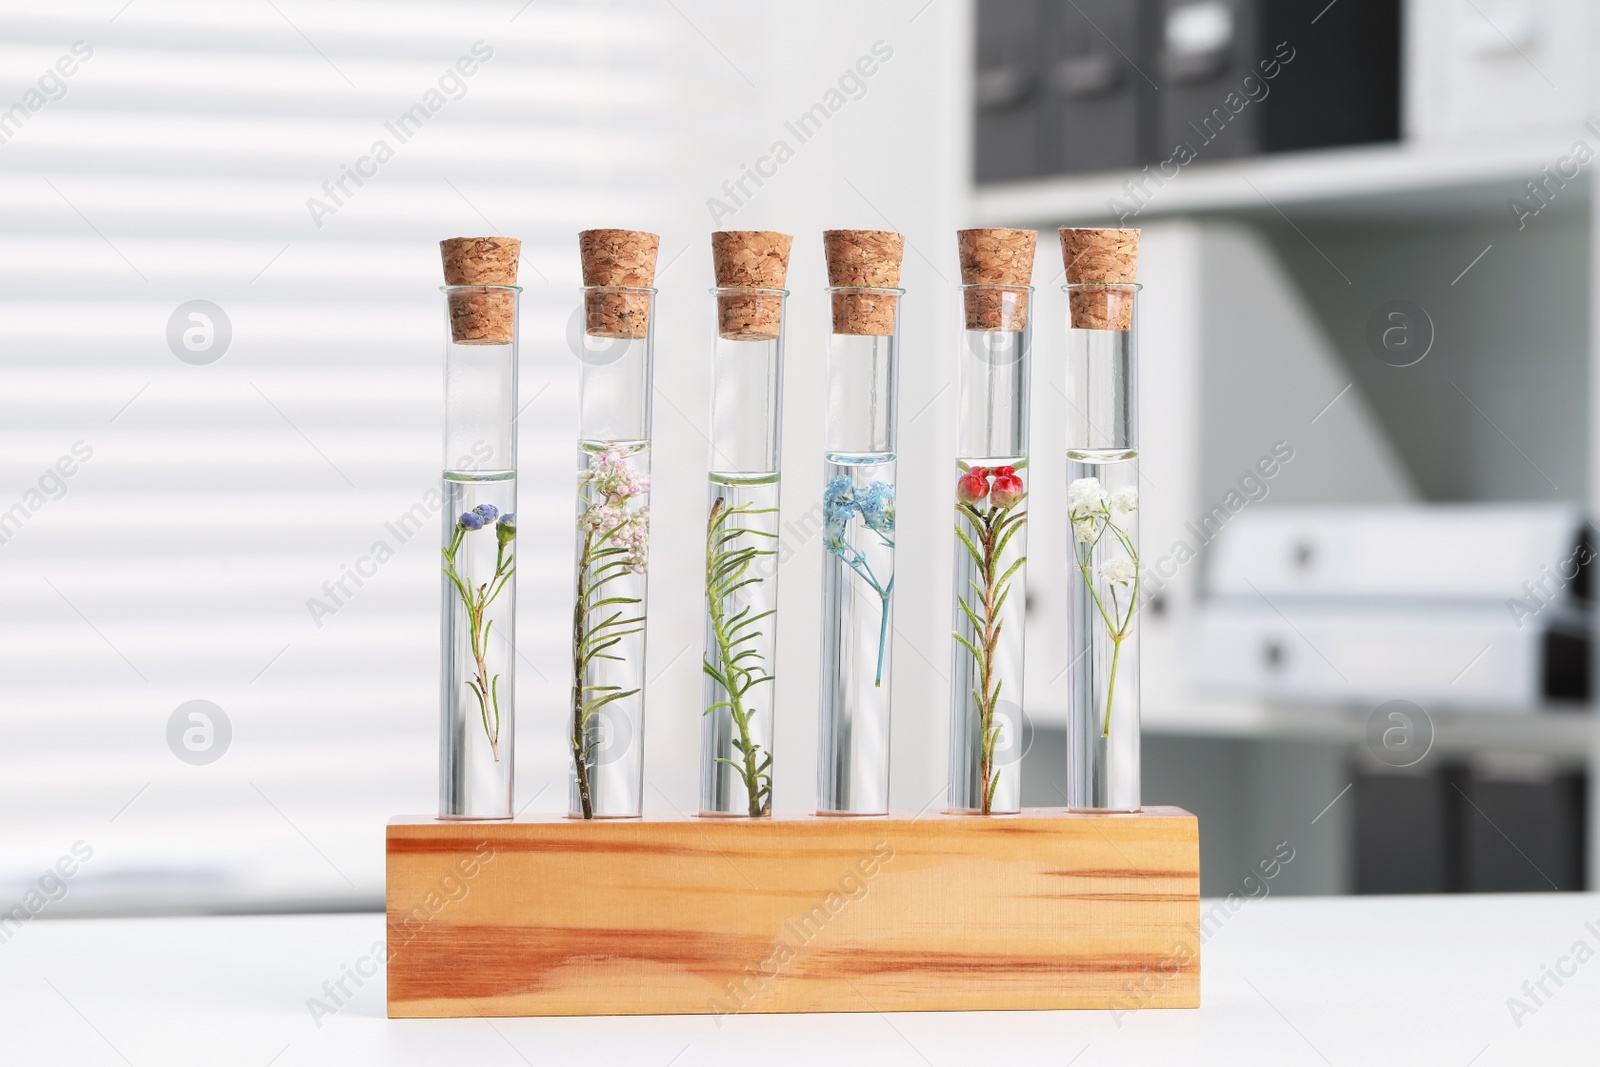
[[1090, 509], [1119, 571], [1088, 506]]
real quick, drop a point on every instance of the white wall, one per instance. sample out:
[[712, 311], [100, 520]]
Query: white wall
[[219, 498]]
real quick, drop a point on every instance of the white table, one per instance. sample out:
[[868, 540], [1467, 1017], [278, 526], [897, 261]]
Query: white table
[[1340, 981]]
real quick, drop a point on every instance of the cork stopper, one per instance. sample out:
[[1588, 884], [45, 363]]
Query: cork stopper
[[1104, 256], [870, 259], [996, 257], [618, 258], [481, 316], [750, 259]]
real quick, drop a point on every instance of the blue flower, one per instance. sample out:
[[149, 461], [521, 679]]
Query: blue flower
[[877, 506], [838, 498], [833, 537], [488, 511], [506, 528], [470, 520]]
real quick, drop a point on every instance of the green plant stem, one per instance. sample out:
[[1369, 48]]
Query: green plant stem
[[726, 568], [590, 641], [1120, 630], [580, 638], [476, 602], [1111, 684], [990, 526]]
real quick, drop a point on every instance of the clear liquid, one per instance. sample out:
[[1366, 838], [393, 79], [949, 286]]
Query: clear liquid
[[988, 702], [477, 695], [857, 632], [606, 725], [1103, 674], [740, 645]]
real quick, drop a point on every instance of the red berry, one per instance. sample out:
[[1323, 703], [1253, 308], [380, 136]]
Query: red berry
[[1007, 490], [972, 487]]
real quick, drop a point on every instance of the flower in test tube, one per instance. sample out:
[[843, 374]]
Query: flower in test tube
[[1007, 488], [876, 505], [1125, 499], [470, 520], [1119, 571], [973, 486], [1085, 497], [487, 512], [1085, 530], [839, 495], [506, 528], [838, 504]]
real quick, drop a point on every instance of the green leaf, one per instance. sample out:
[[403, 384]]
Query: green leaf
[[736, 626], [725, 591], [592, 706], [972, 616], [1005, 539], [968, 646], [972, 549], [1012, 517], [973, 515]]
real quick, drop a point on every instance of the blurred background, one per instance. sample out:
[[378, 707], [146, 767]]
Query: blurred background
[[1367, 327]]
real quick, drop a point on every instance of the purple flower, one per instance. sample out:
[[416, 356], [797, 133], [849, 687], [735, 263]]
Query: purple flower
[[470, 520], [506, 528], [488, 511]]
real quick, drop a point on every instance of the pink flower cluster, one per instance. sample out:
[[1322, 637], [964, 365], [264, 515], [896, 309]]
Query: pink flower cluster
[[615, 482], [614, 477], [974, 486]]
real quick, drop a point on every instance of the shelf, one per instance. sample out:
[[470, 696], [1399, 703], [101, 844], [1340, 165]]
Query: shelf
[[1397, 182], [1566, 732]]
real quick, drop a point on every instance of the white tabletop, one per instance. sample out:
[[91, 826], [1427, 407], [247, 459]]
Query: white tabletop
[[1331, 981]]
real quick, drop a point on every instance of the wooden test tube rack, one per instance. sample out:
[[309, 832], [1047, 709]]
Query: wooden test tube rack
[[554, 916]]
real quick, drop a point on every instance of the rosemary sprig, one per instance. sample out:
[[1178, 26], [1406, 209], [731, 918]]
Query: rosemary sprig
[[738, 669]]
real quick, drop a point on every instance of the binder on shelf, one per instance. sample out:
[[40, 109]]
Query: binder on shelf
[[1465, 605]]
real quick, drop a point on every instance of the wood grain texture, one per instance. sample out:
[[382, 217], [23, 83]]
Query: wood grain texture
[[553, 916]]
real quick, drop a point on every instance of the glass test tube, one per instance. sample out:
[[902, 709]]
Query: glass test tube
[[986, 722], [741, 576], [606, 727], [858, 563], [1103, 502], [477, 693]]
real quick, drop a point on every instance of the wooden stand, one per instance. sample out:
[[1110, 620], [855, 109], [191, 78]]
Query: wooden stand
[[554, 916]]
